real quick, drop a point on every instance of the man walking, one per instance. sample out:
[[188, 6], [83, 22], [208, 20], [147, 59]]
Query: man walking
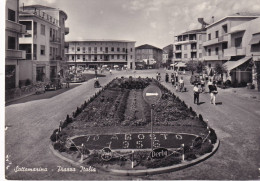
[[213, 92], [196, 92]]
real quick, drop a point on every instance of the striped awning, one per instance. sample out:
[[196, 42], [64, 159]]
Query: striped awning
[[230, 65]]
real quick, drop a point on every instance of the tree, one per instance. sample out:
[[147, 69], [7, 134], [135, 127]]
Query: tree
[[191, 66], [200, 67], [220, 69]]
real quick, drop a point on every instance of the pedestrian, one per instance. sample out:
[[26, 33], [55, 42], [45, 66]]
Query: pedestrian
[[157, 76], [166, 78], [176, 77], [196, 92], [202, 84], [213, 92], [172, 81], [67, 82], [181, 84], [110, 71], [210, 83], [172, 76]]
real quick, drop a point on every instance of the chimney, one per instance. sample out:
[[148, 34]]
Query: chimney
[[212, 19]]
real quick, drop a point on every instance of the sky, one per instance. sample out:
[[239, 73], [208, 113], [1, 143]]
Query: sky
[[154, 22]]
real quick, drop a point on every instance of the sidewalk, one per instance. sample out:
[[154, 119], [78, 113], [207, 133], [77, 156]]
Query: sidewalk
[[244, 92]]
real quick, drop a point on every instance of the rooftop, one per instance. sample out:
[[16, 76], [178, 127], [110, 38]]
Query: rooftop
[[100, 40], [238, 15], [201, 30], [146, 46]]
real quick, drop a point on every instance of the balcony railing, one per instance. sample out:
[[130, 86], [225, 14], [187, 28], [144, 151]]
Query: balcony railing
[[233, 51], [55, 40], [223, 38], [15, 54], [186, 41], [210, 42], [67, 30], [16, 27]]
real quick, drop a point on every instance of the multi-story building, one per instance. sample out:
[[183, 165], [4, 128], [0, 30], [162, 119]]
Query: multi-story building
[[222, 44], [149, 55], [13, 56], [44, 42], [244, 50], [169, 51], [188, 46], [98, 53], [164, 57]]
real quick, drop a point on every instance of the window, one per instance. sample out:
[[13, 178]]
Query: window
[[118, 49], [83, 49], [34, 28], [225, 29], [42, 29], [131, 51], [78, 56], [238, 42], [11, 15], [84, 59], [11, 43], [131, 56], [112, 49], [209, 65], [216, 50], [72, 48], [185, 55], [123, 56], [112, 56], [42, 50], [89, 49], [95, 49], [200, 55], [106, 49], [118, 56], [209, 52], [89, 57], [72, 57], [123, 49], [216, 34], [78, 49], [101, 49], [209, 36]]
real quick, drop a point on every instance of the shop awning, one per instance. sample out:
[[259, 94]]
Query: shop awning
[[181, 64], [255, 39], [230, 65]]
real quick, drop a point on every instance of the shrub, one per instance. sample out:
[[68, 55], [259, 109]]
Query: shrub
[[212, 136], [206, 147], [59, 146], [53, 136], [164, 162]]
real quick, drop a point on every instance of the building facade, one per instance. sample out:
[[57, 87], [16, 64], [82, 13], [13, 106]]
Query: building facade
[[188, 46], [44, 42], [148, 55], [244, 51], [98, 53], [168, 59], [219, 46], [13, 56]]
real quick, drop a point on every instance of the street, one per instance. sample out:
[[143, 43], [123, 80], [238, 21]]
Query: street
[[235, 119]]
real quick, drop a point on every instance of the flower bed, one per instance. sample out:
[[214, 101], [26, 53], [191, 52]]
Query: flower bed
[[121, 104]]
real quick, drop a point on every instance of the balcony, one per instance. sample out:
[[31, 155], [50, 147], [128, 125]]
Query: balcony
[[223, 38], [16, 27], [55, 40], [210, 42], [212, 57], [67, 30], [15, 54], [177, 51], [233, 51], [185, 42]]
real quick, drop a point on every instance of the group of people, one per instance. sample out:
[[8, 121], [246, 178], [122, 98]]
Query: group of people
[[174, 80], [212, 90]]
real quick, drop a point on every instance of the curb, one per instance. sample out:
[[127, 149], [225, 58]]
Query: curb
[[18, 98], [153, 171]]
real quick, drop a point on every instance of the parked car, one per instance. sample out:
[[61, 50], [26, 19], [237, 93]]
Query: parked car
[[195, 79], [54, 85]]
